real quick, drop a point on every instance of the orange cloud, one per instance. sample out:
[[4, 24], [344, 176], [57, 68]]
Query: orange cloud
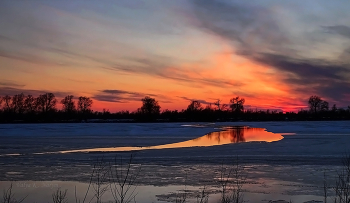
[[225, 75]]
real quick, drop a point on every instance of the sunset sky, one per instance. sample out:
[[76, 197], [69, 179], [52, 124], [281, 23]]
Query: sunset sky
[[274, 53]]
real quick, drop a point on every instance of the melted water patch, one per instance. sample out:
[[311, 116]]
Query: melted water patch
[[228, 135]]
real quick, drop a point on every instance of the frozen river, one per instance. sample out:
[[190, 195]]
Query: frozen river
[[296, 160]]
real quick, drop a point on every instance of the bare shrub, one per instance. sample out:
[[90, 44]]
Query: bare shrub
[[203, 196], [98, 183], [9, 196], [59, 196], [123, 175], [231, 182], [342, 184]]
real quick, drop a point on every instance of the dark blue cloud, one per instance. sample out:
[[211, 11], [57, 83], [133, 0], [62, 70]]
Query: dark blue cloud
[[6, 90], [256, 33], [122, 96]]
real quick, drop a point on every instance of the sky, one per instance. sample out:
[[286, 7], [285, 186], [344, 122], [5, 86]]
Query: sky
[[273, 53]]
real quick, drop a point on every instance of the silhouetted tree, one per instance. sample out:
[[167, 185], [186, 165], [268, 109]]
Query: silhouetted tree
[[27, 109], [68, 104], [84, 104], [324, 106], [7, 102], [334, 108], [219, 105], [194, 106], [0, 102], [30, 104], [106, 112], [150, 106], [237, 104], [17, 104], [46, 102], [208, 107], [317, 104]]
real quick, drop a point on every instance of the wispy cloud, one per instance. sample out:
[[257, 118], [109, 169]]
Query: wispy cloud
[[176, 43], [339, 29], [164, 67], [199, 100], [122, 96], [248, 26], [315, 76], [8, 83], [13, 91], [255, 33]]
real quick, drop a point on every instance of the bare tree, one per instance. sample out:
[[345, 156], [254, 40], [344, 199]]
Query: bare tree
[[237, 104], [100, 180], [46, 102], [334, 108], [208, 107], [7, 102], [231, 181], [203, 196], [150, 106], [68, 104], [194, 106], [317, 104], [98, 183], [30, 104], [84, 104], [324, 106], [122, 180], [17, 104], [59, 196], [325, 188], [342, 185], [9, 196], [314, 103], [220, 105]]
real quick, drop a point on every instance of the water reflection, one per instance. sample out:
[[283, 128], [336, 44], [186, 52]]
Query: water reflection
[[228, 135], [255, 191]]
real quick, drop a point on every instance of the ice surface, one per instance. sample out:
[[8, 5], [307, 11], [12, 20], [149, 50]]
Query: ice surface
[[314, 141], [302, 158]]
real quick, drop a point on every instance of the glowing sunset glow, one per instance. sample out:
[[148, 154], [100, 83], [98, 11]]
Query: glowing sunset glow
[[227, 136], [275, 54]]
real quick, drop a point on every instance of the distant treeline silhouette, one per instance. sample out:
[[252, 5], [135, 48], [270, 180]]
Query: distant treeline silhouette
[[22, 108]]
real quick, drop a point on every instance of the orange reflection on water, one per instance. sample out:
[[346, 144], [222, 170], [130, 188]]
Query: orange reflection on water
[[227, 136]]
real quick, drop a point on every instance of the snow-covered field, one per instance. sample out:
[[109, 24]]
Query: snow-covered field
[[296, 161]]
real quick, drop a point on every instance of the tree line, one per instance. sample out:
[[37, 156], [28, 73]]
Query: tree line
[[42, 108], [26, 108]]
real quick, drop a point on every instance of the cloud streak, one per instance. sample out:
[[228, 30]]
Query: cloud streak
[[255, 49], [339, 29], [256, 34], [8, 83], [122, 96], [5, 90], [163, 67], [200, 100]]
